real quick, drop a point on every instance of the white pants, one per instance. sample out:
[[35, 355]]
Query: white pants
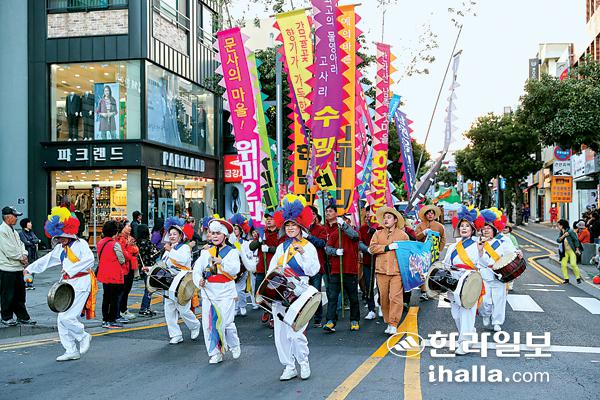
[[70, 328], [227, 309], [290, 345], [240, 288], [464, 318], [494, 301], [173, 310]]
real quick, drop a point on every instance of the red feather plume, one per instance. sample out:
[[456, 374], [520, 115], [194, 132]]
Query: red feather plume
[[305, 218], [454, 222], [479, 222], [188, 230], [71, 226], [278, 219]]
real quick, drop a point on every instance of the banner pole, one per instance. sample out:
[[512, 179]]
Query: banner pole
[[279, 122]]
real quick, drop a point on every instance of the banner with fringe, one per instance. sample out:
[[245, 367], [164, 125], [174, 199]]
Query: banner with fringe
[[406, 154], [240, 101]]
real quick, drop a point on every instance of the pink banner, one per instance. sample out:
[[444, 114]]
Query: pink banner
[[328, 94], [379, 194], [240, 102]]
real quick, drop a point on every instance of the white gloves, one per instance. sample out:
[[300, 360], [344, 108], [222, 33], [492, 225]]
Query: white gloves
[[304, 234], [340, 221], [393, 246], [264, 248], [369, 251], [426, 231], [339, 252]]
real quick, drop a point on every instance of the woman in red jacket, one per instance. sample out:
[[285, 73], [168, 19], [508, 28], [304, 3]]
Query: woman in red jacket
[[110, 273], [130, 251]]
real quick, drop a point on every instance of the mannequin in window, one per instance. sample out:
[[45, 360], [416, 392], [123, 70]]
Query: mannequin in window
[[73, 101], [107, 110], [87, 113]]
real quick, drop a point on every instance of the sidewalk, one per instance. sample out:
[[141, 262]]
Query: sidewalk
[[546, 236], [37, 306]]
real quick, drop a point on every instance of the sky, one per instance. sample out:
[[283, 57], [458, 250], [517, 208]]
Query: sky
[[496, 45]]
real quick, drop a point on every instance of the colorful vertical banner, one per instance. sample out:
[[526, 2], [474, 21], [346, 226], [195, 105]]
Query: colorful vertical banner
[[450, 128], [298, 57], [328, 93], [379, 187], [239, 94], [406, 154], [394, 104], [267, 184], [346, 160], [300, 155]]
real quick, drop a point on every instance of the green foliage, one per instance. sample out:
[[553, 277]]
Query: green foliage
[[565, 113], [449, 178]]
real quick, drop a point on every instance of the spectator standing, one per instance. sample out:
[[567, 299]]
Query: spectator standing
[[130, 251], [594, 226], [135, 222], [553, 215], [526, 213], [13, 259], [31, 242], [583, 234], [568, 248], [110, 273], [148, 255]]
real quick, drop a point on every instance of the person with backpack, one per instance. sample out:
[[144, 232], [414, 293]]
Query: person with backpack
[[568, 249], [148, 255], [110, 273]]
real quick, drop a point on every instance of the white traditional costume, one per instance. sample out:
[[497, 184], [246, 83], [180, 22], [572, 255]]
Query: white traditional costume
[[292, 346], [493, 306], [180, 256], [77, 261], [218, 295]]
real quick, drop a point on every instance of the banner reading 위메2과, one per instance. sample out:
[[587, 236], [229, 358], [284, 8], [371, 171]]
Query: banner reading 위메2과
[[241, 103]]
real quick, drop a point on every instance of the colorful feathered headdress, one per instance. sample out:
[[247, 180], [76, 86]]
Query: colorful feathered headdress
[[471, 215], [293, 208], [241, 221], [61, 223], [501, 219], [176, 223]]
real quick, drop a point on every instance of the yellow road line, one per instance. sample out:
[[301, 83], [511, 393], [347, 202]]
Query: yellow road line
[[412, 367], [154, 300], [360, 373]]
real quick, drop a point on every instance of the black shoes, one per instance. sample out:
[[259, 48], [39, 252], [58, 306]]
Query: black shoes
[[566, 281], [578, 280], [26, 321]]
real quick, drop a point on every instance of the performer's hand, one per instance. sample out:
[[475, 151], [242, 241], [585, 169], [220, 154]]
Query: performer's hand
[[340, 221], [264, 248], [339, 252], [145, 269], [167, 246], [216, 260], [206, 247], [25, 272], [192, 243], [304, 234], [299, 249], [519, 253], [202, 282], [370, 251], [393, 246], [426, 231]]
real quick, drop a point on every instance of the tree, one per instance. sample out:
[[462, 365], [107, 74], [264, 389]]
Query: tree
[[449, 178], [565, 113]]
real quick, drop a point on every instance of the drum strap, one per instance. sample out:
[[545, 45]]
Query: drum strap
[[462, 253], [490, 250], [223, 253]]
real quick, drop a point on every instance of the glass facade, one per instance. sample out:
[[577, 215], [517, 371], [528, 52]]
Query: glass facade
[[180, 113], [95, 101]]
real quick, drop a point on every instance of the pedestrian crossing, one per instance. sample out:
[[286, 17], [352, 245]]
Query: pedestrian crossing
[[526, 303]]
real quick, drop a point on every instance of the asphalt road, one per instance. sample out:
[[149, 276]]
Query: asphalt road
[[355, 365]]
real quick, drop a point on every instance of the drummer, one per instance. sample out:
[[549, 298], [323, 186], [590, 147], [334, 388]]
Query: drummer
[[464, 254], [179, 255], [296, 256], [214, 274], [76, 260], [239, 239], [493, 307]]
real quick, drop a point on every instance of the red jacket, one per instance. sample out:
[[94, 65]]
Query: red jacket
[[109, 268], [350, 257], [365, 234], [272, 240], [318, 231], [130, 253]]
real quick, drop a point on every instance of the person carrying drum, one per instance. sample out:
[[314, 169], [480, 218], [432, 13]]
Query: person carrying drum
[[179, 255], [493, 306], [464, 255], [297, 257], [240, 229], [214, 274], [76, 260], [389, 281]]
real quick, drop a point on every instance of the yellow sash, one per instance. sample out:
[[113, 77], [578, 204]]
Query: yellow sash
[[71, 255], [490, 250], [462, 254], [291, 253]]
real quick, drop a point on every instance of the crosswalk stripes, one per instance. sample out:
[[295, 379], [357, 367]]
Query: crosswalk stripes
[[523, 302], [590, 304], [442, 303]]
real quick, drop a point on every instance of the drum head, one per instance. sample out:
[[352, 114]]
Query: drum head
[[61, 297], [504, 261], [471, 289], [302, 310], [432, 270], [186, 289], [159, 278]]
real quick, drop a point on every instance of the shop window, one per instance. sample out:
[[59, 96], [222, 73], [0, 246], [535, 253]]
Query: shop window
[[95, 101], [176, 194], [206, 24], [174, 10], [84, 5], [180, 113]]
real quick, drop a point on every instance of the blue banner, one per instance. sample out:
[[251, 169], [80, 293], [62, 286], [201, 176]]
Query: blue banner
[[394, 104], [414, 260], [408, 163]]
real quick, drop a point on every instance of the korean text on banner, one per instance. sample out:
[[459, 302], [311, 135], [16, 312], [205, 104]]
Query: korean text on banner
[[241, 103], [379, 193], [328, 92], [408, 162]]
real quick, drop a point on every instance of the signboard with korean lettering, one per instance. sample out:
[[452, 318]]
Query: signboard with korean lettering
[[231, 169], [562, 189], [327, 105], [561, 168], [59, 155], [241, 103]]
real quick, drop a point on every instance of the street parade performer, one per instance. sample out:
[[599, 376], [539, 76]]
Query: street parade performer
[[493, 306], [296, 256], [178, 254], [77, 260], [464, 254], [389, 281], [214, 273]]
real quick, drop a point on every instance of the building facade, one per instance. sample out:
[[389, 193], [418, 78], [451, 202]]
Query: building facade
[[121, 112]]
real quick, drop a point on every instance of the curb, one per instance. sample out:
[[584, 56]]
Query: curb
[[536, 235]]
